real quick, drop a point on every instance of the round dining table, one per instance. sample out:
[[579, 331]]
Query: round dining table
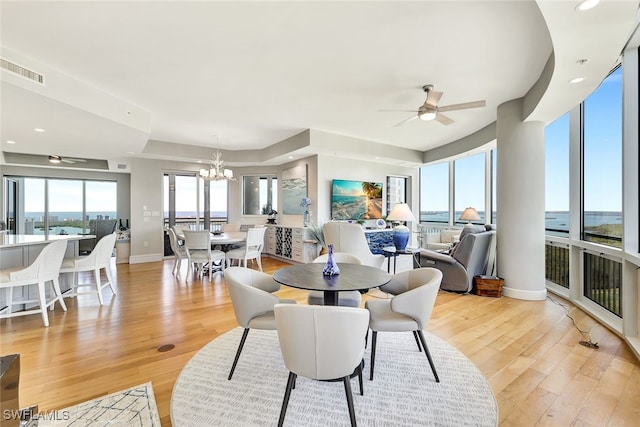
[[352, 277]]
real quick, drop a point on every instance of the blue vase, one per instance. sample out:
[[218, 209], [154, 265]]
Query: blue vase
[[331, 267], [401, 236]]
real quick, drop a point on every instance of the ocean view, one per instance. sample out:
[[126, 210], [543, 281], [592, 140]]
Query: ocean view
[[553, 219]]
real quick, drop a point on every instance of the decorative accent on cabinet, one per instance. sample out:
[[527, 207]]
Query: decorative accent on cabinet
[[290, 243]]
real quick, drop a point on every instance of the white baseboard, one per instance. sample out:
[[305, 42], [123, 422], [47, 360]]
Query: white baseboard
[[524, 295], [140, 259]]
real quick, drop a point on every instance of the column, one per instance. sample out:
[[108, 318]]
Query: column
[[520, 202]]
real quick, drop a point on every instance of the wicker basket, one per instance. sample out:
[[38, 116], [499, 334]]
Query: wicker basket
[[488, 286]]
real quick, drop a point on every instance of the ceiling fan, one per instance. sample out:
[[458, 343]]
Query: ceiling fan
[[58, 159], [431, 111]]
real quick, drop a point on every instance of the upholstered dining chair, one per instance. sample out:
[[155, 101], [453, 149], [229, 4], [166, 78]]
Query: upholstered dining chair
[[350, 238], [197, 245], [98, 259], [415, 293], [321, 343], [346, 298], [179, 251], [251, 296], [251, 250], [45, 268]]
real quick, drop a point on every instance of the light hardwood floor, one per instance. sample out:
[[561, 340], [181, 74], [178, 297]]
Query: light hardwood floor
[[527, 350]]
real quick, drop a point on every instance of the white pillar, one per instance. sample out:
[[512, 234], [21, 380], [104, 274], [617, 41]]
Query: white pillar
[[520, 203]]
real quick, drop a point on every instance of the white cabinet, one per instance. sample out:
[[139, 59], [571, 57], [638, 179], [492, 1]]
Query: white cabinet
[[291, 243]]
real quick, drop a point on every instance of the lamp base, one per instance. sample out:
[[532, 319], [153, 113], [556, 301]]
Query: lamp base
[[401, 236]]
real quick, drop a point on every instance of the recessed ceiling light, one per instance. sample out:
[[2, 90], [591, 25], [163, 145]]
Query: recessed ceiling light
[[587, 4], [199, 161], [10, 141], [291, 157], [38, 129], [576, 80]]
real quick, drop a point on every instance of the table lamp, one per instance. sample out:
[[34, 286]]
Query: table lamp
[[401, 233], [469, 214]]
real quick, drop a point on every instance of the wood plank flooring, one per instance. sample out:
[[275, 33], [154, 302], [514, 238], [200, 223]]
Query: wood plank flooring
[[528, 350]]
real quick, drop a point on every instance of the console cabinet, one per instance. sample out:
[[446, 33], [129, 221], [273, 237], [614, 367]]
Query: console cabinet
[[290, 243]]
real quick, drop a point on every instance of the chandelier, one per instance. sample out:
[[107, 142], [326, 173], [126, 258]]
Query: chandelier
[[217, 171]]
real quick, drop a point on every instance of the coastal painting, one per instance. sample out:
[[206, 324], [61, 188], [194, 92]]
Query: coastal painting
[[294, 188], [356, 200]]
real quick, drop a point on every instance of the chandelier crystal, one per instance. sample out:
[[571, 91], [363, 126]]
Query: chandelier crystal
[[217, 171]]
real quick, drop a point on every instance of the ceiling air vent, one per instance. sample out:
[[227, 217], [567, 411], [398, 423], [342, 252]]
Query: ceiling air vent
[[21, 71], [122, 166]]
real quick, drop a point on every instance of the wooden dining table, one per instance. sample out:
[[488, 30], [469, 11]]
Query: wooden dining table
[[352, 277]]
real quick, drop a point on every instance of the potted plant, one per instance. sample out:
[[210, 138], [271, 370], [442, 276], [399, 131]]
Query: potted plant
[[317, 234]]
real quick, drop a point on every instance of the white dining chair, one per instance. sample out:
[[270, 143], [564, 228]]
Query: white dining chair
[[251, 294], [251, 250], [179, 251], [321, 343], [197, 245], [415, 292], [99, 259], [45, 268]]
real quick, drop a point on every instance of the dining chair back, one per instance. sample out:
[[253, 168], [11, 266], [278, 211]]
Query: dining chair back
[[230, 227], [197, 246], [251, 294], [251, 250], [321, 343], [345, 298], [45, 268], [350, 238], [415, 292], [179, 251], [97, 260]]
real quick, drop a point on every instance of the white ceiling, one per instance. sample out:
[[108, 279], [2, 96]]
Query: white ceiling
[[247, 75]]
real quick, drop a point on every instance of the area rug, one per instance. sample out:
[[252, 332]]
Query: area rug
[[134, 407], [403, 392]]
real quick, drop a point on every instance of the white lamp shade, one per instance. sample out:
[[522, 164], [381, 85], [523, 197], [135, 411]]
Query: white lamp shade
[[401, 212], [470, 214]]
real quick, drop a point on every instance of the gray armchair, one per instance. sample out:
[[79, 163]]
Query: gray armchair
[[467, 259]]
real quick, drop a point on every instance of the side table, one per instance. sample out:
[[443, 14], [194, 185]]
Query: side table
[[392, 252]]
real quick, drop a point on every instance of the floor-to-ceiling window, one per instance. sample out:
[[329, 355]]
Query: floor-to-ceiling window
[[434, 193], [469, 185], [602, 163], [557, 176]]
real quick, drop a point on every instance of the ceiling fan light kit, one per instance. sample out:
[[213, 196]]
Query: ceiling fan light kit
[[430, 110], [55, 159]]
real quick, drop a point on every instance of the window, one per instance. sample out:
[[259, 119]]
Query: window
[[469, 184], [396, 191], [602, 163], [556, 137], [64, 206], [434, 193], [259, 194], [494, 178], [185, 203]]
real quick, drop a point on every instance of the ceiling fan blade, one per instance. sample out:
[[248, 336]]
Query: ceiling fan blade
[[463, 106], [406, 121], [71, 160], [397, 111], [433, 98], [441, 118]]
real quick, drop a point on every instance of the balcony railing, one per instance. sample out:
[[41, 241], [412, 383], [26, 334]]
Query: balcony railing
[[557, 264], [603, 282]]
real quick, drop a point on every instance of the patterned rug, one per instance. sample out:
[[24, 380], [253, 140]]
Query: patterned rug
[[134, 407], [403, 392]]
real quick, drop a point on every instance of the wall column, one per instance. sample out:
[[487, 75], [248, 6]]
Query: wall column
[[520, 202]]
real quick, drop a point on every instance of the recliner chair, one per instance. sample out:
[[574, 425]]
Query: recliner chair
[[467, 259]]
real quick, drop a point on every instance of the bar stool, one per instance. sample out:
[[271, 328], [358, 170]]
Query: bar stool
[[45, 268]]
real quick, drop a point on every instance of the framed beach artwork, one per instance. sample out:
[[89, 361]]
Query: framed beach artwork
[[356, 200], [294, 188]]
